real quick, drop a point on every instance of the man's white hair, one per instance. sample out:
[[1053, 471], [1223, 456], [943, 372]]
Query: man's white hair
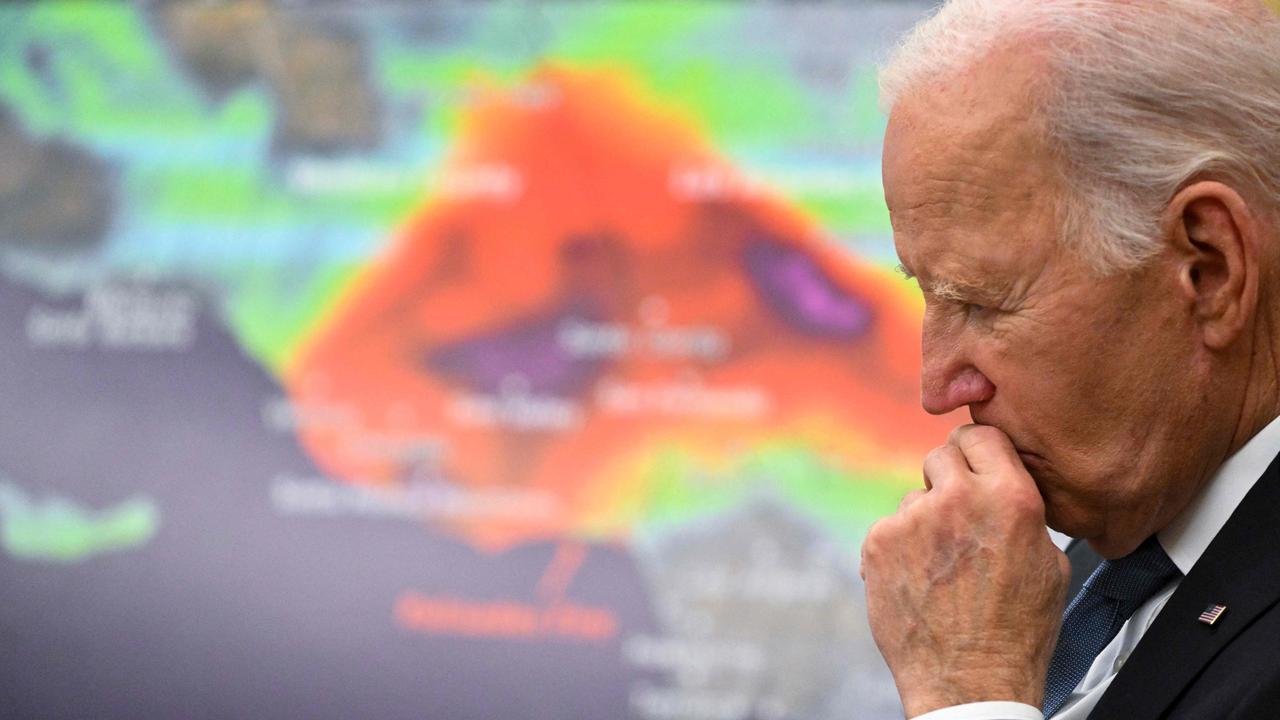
[[1141, 98]]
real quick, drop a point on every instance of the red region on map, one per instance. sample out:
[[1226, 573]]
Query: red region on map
[[588, 277]]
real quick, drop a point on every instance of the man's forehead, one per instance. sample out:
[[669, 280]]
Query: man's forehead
[[945, 192], [1001, 86], [958, 150], [943, 159], [969, 179], [979, 101]]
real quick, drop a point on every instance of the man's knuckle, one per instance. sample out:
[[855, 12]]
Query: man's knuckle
[[951, 502], [986, 435], [909, 499], [943, 463], [958, 434], [970, 437], [872, 542], [1022, 500], [933, 461]]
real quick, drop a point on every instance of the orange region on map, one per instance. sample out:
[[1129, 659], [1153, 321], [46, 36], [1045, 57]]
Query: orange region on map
[[447, 615], [567, 296]]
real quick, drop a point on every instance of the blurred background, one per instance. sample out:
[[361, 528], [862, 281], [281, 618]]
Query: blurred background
[[447, 360]]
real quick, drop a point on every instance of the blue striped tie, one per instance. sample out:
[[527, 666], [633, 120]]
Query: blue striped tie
[[1109, 597]]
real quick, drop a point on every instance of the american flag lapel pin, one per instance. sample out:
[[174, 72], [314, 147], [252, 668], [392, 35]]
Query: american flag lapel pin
[[1212, 613]]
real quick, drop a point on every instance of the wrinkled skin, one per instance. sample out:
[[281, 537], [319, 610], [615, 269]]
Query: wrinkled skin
[[1101, 403], [1087, 375], [977, 533]]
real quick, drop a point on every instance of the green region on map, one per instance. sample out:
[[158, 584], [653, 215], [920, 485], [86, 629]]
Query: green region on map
[[60, 531]]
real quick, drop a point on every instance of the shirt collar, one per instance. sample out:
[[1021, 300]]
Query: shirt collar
[[1186, 538]]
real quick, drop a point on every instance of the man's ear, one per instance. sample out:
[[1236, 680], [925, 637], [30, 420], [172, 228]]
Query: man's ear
[[1215, 237]]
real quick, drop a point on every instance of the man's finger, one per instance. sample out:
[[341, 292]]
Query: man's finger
[[943, 466], [986, 449], [910, 498]]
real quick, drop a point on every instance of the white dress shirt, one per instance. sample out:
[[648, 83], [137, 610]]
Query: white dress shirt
[[1184, 540]]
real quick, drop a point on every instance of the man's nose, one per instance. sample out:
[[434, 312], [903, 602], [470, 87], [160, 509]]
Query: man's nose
[[947, 385]]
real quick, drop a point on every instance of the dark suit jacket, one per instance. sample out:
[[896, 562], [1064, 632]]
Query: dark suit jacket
[[1183, 668]]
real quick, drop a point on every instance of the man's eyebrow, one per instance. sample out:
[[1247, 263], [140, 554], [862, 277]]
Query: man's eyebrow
[[959, 290]]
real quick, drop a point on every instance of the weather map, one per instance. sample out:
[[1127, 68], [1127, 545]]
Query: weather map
[[466, 360]]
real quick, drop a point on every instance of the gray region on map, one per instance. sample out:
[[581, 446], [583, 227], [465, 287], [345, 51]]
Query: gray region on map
[[37, 57], [762, 617], [822, 42], [439, 25], [55, 197], [315, 64], [225, 607]]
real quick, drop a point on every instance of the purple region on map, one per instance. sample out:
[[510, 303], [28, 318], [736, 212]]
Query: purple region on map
[[796, 287], [527, 350]]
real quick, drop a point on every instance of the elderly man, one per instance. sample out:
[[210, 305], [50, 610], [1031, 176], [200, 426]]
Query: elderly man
[[1088, 192]]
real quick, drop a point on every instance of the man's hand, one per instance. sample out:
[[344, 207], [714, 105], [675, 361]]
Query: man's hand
[[965, 589]]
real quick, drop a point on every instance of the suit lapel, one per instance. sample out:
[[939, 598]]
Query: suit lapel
[[1241, 570]]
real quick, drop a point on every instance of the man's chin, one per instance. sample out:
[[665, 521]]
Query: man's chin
[[1063, 514], [1060, 512], [1064, 523], [1078, 523]]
